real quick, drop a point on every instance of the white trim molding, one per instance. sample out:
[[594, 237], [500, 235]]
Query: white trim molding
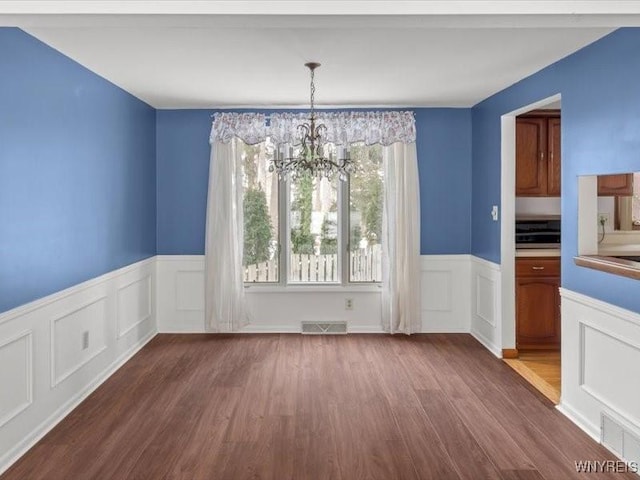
[[600, 362], [81, 314], [56, 350], [507, 304], [180, 293], [17, 376], [300, 9], [446, 293], [486, 317], [141, 298], [445, 287], [62, 294]]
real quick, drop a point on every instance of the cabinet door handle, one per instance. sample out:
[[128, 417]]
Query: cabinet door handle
[[537, 268], [541, 154]]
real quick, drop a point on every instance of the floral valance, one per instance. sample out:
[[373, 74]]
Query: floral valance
[[343, 128], [251, 128]]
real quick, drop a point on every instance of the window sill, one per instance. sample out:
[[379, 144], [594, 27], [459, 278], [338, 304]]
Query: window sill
[[369, 288], [622, 237], [614, 265]]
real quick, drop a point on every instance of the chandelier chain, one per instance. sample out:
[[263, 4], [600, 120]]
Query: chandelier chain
[[313, 93]]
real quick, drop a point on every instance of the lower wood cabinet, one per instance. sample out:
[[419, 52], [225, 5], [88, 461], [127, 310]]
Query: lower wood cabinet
[[537, 303]]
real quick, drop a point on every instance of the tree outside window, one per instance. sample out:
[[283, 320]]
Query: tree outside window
[[321, 217]]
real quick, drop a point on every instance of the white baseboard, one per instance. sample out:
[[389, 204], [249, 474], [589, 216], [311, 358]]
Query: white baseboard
[[47, 425], [366, 329], [269, 329], [46, 367], [572, 414], [487, 344]]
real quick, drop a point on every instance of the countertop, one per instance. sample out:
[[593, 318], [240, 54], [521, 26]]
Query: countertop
[[538, 252]]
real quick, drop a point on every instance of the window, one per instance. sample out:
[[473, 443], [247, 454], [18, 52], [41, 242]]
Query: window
[[366, 190], [261, 214], [314, 242], [310, 230]]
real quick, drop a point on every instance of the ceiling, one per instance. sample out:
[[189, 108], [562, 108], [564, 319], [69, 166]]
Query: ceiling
[[235, 60]]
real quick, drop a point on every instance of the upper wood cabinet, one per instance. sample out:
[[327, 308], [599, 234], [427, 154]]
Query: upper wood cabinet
[[615, 185], [538, 156], [553, 164]]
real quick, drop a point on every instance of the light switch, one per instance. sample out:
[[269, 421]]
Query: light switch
[[494, 213]]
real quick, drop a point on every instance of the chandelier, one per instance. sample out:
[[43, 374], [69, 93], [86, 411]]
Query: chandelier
[[315, 158]]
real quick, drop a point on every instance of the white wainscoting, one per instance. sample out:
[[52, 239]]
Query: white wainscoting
[[444, 287], [446, 293], [486, 317], [600, 363], [180, 293], [56, 350], [68, 353], [135, 304], [17, 382], [282, 311]]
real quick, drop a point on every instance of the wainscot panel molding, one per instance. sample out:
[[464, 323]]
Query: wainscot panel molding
[[446, 293], [135, 304], [444, 286], [17, 396], [600, 363], [486, 316], [56, 350], [180, 293], [68, 354]]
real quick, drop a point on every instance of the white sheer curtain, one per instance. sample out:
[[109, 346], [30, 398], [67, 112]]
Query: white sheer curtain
[[224, 287], [401, 240]]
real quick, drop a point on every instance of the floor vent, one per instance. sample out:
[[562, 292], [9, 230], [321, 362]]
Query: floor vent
[[324, 328], [620, 440]]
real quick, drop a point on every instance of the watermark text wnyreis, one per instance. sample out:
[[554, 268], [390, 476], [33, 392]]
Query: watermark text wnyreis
[[606, 466]]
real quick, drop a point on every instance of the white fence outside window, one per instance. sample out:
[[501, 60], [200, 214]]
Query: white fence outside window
[[365, 266]]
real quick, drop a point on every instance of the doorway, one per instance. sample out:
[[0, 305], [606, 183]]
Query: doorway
[[534, 355]]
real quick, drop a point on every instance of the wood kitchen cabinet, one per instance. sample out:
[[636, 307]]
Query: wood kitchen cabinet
[[538, 155], [538, 303], [554, 157], [615, 185]]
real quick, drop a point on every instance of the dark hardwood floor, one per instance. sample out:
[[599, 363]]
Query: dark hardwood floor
[[313, 407]]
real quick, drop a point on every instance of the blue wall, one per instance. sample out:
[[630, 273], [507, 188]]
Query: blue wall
[[91, 176], [182, 177], [77, 173], [444, 162], [600, 134], [444, 157]]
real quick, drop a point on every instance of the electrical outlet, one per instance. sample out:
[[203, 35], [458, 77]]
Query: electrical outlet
[[348, 303], [603, 219], [85, 340]]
